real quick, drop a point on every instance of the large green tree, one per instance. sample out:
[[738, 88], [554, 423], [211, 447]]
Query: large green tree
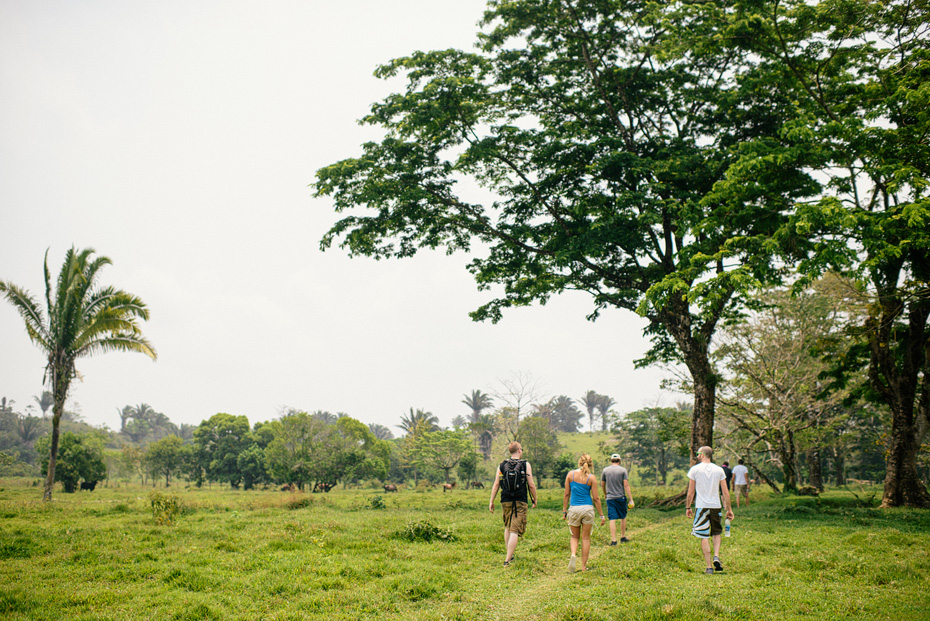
[[219, 440], [602, 147], [80, 319], [440, 449], [858, 74]]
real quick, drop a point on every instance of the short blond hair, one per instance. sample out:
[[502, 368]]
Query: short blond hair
[[513, 447]]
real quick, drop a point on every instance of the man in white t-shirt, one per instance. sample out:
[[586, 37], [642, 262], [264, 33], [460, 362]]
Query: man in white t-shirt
[[741, 482], [707, 482]]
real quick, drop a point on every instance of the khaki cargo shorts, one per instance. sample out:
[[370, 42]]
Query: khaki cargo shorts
[[515, 516]]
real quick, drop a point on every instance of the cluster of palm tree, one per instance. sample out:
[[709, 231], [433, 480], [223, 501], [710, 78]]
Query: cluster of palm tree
[[141, 424], [598, 408]]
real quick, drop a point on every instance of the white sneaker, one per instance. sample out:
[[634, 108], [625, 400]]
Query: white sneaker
[[571, 564]]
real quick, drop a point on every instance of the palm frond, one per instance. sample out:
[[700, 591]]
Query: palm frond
[[118, 342], [29, 310]]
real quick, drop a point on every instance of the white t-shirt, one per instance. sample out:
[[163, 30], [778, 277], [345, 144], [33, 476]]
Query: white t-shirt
[[707, 479], [739, 475]]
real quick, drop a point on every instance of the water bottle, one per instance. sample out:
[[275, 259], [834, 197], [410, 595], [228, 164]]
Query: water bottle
[[726, 528]]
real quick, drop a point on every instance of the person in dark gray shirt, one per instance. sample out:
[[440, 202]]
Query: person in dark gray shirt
[[615, 485]]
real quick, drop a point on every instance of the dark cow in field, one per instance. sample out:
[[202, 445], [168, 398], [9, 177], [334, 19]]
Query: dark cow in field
[[477, 485], [448, 487], [322, 487], [390, 488], [88, 485]]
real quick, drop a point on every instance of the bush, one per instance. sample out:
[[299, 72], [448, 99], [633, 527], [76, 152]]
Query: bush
[[299, 502], [423, 530], [165, 507], [808, 490], [376, 502]]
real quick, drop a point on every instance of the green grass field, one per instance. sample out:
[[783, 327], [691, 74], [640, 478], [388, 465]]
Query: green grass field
[[276, 555]]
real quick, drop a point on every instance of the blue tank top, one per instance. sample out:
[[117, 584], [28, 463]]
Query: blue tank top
[[581, 494]]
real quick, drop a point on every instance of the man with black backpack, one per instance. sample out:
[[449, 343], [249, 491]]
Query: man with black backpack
[[515, 480]]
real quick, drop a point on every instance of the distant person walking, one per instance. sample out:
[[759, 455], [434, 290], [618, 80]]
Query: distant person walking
[[578, 504], [615, 485], [707, 482], [741, 482], [729, 473], [515, 480]]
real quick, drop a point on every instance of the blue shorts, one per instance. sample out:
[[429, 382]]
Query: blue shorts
[[616, 508]]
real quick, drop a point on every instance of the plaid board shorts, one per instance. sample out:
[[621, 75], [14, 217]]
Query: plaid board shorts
[[706, 523]]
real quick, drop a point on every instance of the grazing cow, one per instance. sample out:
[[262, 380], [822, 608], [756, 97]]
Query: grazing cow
[[322, 487], [390, 488], [477, 485], [288, 488], [88, 485], [448, 487]]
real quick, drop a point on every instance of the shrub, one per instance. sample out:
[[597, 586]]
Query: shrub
[[423, 530], [165, 507], [808, 490], [299, 502], [376, 502]]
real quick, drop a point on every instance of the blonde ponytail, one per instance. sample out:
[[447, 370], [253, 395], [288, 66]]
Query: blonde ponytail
[[585, 464]]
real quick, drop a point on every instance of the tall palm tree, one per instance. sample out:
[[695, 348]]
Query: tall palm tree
[[417, 421], [82, 320], [604, 403], [478, 402], [44, 401], [483, 429], [589, 401], [29, 428], [380, 431]]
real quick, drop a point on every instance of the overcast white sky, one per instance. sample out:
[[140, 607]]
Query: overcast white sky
[[179, 139]]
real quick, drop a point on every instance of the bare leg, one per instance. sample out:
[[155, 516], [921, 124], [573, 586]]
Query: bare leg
[[716, 539], [585, 544], [573, 544], [512, 545], [623, 527], [705, 548], [613, 530]]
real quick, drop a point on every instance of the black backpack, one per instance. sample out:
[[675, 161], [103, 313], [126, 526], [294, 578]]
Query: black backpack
[[513, 476]]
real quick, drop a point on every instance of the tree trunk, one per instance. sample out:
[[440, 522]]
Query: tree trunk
[[61, 378], [702, 418], [839, 465], [898, 372], [694, 344], [53, 453], [788, 455], [903, 487], [663, 461], [814, 469]]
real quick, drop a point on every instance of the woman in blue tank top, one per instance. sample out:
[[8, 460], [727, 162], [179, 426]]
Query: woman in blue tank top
[[578, 509]]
